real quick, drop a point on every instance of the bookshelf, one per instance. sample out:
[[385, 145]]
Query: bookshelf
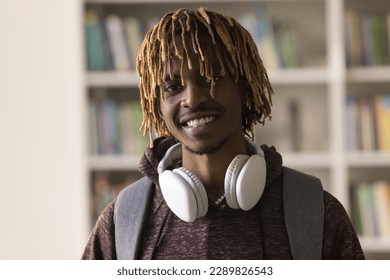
[[309, 125]]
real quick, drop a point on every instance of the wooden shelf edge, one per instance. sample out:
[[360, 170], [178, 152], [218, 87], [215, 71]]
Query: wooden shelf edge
[[114, 162], [112, 78], [368, 74], [368, 159], [310, 75], [306, 160], [304, 75]]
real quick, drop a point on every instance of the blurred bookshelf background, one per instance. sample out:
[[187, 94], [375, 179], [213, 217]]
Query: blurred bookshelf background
[[329, 63]]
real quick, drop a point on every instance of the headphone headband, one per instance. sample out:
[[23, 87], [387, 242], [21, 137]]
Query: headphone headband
[[172, 155]]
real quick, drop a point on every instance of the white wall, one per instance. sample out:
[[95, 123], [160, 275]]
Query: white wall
[[43, 211]]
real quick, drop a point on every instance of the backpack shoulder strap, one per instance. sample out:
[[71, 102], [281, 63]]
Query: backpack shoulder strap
[[129, 216], [303, 199]]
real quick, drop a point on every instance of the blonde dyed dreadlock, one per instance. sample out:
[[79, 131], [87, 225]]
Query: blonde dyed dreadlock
[[234, 50]]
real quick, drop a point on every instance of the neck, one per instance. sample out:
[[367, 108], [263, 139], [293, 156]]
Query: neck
[[211, 168]]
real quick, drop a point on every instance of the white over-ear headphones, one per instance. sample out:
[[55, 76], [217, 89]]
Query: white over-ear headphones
[[186, 196]]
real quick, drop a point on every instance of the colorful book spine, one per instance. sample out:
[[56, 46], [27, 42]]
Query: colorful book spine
[[371, 209], [353, 38], [134, 36], [115, 127], [367, 38], [117, 42], [94, 39], [368, 123], [382, 109], [352, 127], [113, 42]]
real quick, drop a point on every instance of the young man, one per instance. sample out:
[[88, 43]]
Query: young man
[[217, 195]]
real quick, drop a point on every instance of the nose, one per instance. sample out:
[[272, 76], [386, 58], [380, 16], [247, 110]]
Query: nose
[[195, 95]]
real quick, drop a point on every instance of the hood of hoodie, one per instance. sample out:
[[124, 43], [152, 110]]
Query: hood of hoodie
[[152, 156]]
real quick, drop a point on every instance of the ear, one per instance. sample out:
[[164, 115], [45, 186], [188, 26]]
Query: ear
[[245, 91]]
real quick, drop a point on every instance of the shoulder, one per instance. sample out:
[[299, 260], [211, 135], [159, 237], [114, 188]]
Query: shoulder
[[106, 217], [340, 238], [332, 203], [335, 213]]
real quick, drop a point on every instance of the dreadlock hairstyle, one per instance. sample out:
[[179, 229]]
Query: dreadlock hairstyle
[[231, 49]]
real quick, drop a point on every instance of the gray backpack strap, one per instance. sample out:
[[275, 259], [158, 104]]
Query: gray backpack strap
[[303, 199], [129, 216]]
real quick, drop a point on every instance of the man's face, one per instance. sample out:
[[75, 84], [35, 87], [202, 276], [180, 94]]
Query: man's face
[[201, 123]]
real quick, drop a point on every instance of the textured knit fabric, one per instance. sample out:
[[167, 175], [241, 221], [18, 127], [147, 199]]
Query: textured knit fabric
[[224, 233]]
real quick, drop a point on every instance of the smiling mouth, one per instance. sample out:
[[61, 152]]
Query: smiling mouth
[[194, 123]]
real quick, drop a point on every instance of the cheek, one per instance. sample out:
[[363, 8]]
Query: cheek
[[235, 114], [234, 109]]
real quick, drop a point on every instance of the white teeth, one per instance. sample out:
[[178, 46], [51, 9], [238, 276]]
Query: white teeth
[[200, 122]]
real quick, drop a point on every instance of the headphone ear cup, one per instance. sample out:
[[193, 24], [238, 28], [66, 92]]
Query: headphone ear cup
[[231, 176], [184, 194], [198, 189], [251, 182], [179, 198]]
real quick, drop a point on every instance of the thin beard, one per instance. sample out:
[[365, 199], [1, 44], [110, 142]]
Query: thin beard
[[208, 151]]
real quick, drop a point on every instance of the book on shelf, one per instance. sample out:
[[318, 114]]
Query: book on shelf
[[134, 37], [368, 123], [371, 209], [112, 42], [95, 43], [295, 123], [367, 38], [353, 38], [274, 39], [93, 131], [381, 191], [115, 127], [352, 125], [285, 44], [260, 27], [106, 130], [382, 109], [117, 42], [388, 31], [106, 187]]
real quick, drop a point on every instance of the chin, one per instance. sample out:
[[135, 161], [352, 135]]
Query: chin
[[206, 150]]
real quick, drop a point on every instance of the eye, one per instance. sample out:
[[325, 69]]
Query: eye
[[208, 81], [171, 88]]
